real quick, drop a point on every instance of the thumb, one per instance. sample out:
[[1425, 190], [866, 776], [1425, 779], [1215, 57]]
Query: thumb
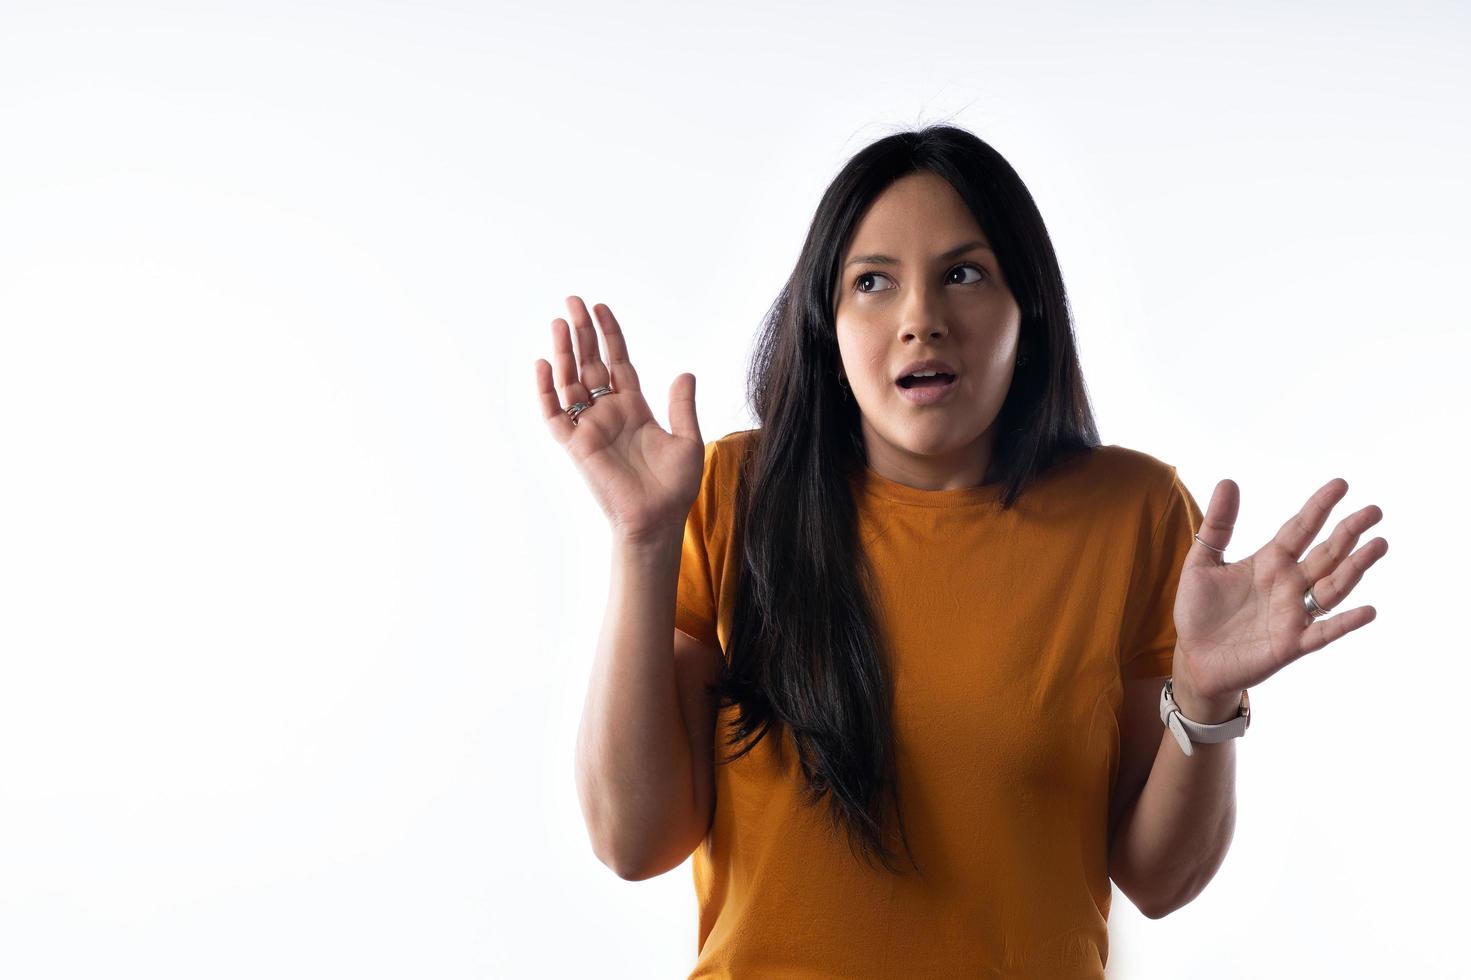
[[682, 420], [1216, 526]]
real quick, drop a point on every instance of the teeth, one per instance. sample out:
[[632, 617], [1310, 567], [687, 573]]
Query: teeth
[[923, 374]]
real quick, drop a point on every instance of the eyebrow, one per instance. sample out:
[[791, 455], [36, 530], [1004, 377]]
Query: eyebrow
[[888, 260]]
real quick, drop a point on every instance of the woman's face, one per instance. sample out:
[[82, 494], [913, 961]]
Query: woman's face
[[925, 303]]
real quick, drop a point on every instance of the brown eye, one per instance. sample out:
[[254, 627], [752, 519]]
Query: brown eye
[[863, 276], [976, 269], [980, 274]]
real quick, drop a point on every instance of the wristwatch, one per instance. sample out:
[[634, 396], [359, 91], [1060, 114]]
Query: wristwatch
[[1187, 731]]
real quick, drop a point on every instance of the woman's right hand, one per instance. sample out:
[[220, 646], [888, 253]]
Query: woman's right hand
[[644, 478]]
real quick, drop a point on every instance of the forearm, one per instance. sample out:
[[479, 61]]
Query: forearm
[[634, 774], [1174, 840]]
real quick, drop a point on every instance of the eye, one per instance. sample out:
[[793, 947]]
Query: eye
[[973, 268], [980, 273]]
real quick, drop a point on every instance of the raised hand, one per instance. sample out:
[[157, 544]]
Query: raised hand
[[1238, 623], [645, 479]]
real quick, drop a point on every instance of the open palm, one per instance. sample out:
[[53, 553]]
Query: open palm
[[1238, 623], [643, 478]]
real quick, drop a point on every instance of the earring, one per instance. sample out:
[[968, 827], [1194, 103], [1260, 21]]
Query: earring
[[1021, 360], [843, 380]]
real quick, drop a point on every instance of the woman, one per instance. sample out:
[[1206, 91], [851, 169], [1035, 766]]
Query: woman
[[952, 610]]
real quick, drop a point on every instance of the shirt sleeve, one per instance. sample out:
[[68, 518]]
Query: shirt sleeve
[[1149, 625], [695, 606]]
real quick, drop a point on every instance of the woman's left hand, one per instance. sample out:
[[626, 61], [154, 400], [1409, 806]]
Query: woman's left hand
[[1240, 622]]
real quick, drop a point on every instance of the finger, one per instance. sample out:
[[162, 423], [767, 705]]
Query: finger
[[551, 407], [1216, 525], [564, 364], [1302, 527], [1333, 589], [625, 378], [1324, 558], [590, 366], [1325, 631], [682, 419]]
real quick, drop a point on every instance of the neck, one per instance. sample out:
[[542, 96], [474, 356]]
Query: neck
[[952, 470]]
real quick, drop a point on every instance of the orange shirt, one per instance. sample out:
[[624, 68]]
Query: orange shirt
[[1011, 633]]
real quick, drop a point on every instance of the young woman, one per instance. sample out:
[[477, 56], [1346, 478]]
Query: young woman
[[924, 607]]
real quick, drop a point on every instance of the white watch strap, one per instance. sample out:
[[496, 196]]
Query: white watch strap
[[1187, 731]]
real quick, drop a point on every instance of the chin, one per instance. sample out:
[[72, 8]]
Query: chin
[[939, 444]]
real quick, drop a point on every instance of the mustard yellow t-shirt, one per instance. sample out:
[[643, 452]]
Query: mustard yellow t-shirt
[[1011, 633]]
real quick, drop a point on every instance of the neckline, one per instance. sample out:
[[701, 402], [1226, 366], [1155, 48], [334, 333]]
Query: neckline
[[872, 483]]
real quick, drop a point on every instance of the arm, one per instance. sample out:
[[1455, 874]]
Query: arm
[[1237, 624], [635, 780], [1171, 842]]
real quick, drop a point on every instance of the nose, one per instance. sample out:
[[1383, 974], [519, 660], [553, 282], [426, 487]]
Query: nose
[[922, 315]]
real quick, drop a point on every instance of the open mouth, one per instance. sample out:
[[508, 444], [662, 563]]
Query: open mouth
[[938, 381]]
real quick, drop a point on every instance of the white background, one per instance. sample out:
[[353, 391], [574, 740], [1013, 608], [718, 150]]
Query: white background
[[299, 597]]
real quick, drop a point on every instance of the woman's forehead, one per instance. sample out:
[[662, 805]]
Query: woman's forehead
[[922, 221]]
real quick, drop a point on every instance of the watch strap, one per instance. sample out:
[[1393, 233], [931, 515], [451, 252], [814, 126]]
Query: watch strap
[[1187, 731]]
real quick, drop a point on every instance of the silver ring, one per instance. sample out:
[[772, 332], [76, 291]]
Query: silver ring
[[577, 409], [1310, 603], [1219, 551]]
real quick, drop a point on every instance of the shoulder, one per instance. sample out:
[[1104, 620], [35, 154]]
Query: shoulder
[[1133, 465], [1163, 503], [1122, 485], [735, 443], [725, 453], [1137, 475], [723, 460]]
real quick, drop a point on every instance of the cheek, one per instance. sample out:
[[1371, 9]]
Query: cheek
[[875, 367], [860, 352], [1000, 348], [846, 336]]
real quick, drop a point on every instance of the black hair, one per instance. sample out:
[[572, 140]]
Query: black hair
[[804, 650]]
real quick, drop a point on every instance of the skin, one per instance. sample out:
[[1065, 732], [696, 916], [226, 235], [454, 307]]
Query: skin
[[1237, 623], [888, 315]]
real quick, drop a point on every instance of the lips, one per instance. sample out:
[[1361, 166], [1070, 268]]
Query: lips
[[926, 382], [930, 364], [928, 394]]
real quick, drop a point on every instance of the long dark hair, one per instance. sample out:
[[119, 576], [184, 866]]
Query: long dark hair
[[804, 649]]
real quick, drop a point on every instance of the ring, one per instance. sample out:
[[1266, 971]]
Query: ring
[[575, 410], [1310, 603], [1219, 551]]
